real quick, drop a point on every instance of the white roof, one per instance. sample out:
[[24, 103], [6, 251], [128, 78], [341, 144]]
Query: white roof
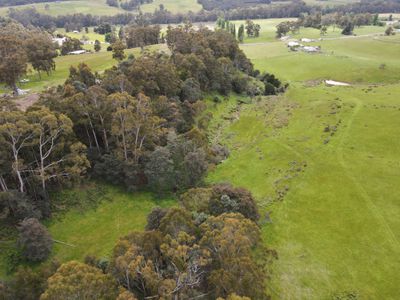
[[310, 49], [293, 44], [336, 83], [77, 52]]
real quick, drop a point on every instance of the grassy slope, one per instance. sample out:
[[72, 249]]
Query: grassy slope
[[94, 7], [99, 7], [94, 231], [268, 31], [337, 227], [175, 6], [92, 36]]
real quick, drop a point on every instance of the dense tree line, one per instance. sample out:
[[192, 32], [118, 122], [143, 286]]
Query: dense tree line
[[140, 36], [133, 4], [294, 9], [345, 21], [250, 28]]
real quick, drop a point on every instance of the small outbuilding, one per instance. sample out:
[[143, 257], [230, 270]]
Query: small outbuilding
[[77, 52], [311, 49]]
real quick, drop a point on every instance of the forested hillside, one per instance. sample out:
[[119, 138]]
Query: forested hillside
[[157, 150]]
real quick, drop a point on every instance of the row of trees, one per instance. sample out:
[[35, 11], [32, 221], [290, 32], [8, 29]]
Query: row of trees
[[133, 4], [209, 248], [295, 9], [250, 28], [30, 16], [347, 22], [18, 47]]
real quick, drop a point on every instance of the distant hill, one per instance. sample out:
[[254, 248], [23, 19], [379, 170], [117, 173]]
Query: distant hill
[[4, 3]]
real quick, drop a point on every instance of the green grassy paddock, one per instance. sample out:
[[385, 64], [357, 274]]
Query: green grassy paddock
[[336, 227], [93, 230], [175, 6], [94, 7]]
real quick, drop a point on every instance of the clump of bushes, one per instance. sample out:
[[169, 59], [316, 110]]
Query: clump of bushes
[[34, 240]]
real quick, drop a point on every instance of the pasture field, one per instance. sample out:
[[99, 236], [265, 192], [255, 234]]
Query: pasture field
[[323, 163], [175, 6], [92, 227], [100, 7], [268, 31], [94, 7], [91, 35]]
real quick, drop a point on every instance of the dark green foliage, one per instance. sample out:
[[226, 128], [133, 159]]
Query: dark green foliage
[[179, 165], [219, 199], [140, 36], [272, 84], [34, 240], [226, 199], [17, 206], [133, 4], [109, 168], [70, 45], [28, 284], [191, 90], [348, 29], [175, 221], [113, 3], [82, 74], [93, 261], [155, 217], [160, 170], [103, 28], [197, 199], [97, 45], [269, 89]]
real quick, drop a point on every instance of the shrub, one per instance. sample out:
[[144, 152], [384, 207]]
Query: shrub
[[227, 199], [197, 199], [18, 206], [34, 240], [154, 218]]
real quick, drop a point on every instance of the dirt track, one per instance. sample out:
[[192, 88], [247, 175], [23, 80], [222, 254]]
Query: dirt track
[[24, 102]]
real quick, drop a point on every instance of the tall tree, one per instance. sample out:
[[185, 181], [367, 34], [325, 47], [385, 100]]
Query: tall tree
[[134, 125], [75, 280], [41, 53], [118, 50], [97, 45], [13, 62], [241, 33], [17, 134], [58, 155]]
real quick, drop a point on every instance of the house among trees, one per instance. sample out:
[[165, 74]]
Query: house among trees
[[59, 41]]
